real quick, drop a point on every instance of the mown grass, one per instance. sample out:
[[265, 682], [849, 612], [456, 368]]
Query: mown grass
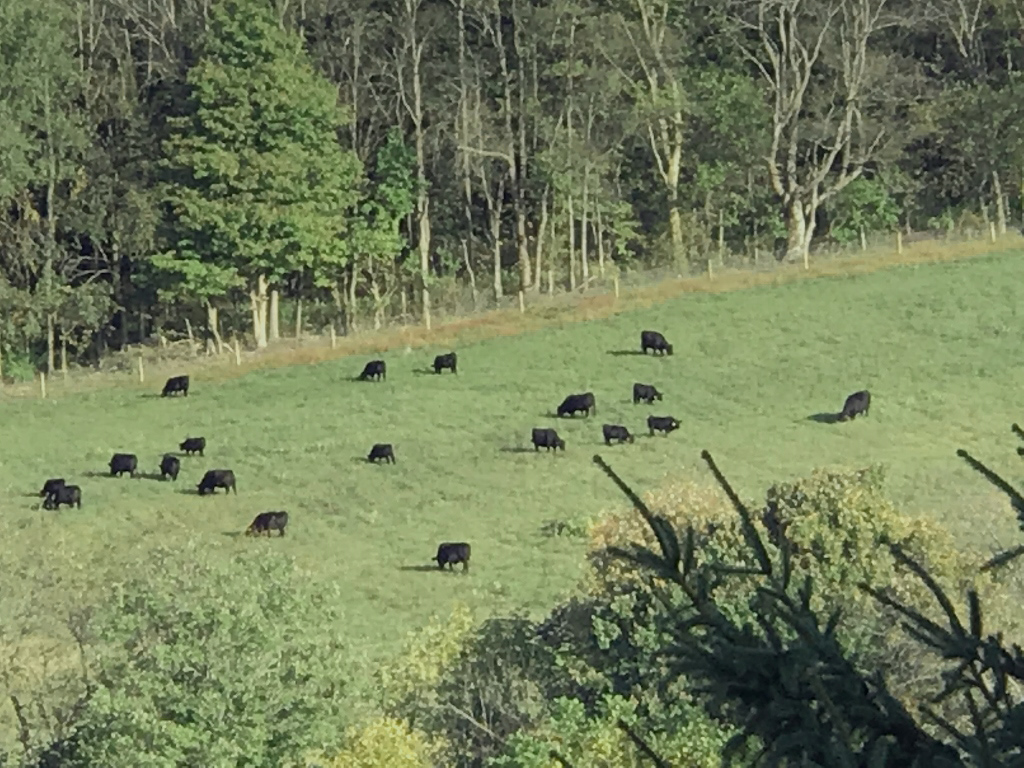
[[938, 346]]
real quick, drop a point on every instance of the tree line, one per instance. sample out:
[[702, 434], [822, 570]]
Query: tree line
[[176, 163]]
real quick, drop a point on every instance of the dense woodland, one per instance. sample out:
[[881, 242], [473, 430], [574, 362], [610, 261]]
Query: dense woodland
[[170, 165]]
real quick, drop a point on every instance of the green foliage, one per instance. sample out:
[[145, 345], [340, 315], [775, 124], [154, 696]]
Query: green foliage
[[598, 740], [39, 119], [836, 525], [863, 205], [257, 182], [383, 742], [207, 662], [785, 674]]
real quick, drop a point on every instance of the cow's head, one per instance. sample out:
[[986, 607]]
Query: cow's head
[[668, 348]]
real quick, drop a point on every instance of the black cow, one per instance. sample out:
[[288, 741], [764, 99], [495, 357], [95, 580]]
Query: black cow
[[645, 392], [382, 451], [265, 522], [615, 432], [123, 462], [64, 494], [449, 553], [51, 485], [855, 404], [547, 438], [169, 467], [445, 361], [176, 384], [574, 403], [192, 445], [654, 341], [375, 369], [662, 424], [217, 478]]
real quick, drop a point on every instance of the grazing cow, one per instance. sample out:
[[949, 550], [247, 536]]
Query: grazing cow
[[615, 432], [217, 478], [123, 462], [445, 361], [662, 424], [449, 553], [375, 369], [193, 445], [169, 467], [855, 404], [265, 522], [547, 438], [176, 384], [654, 341], [574, 403], [645, 392], [64, 494], [382, 451], [51, 485]]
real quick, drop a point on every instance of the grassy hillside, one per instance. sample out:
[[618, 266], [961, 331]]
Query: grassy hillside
[[938, 346]]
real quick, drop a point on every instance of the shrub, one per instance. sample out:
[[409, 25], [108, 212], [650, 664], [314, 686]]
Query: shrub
[[383, 742], [597, 740], [838, 523], [200, 661], [409, 682]]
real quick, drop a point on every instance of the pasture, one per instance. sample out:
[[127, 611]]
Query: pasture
[[938, 346]]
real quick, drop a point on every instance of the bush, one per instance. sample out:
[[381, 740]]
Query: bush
[[199, 661], [383, 742], [838, 523], [597, 741]]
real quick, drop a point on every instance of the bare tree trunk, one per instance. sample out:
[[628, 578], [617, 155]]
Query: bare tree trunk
[[599, 236], [415, 57], [571, 221], [541, 231], [50, 342], [274, 331], [472, 276], [1000, 201], [584, 261], [212, 325], [467, 182], [298, 317], [258, 304], [273, 318], [495, 216]]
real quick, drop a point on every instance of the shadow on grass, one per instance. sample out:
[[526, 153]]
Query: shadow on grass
[[424, 371], [232, 534], [420, 568], [193, 491], [149, 476], [95, 473], [516, 449], [624, 352], [824, 418]]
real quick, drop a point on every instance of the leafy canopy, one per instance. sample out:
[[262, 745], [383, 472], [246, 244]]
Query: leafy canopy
[[256, 180]]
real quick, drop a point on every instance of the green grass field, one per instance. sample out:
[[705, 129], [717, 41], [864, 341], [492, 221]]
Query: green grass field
[[939, 346]]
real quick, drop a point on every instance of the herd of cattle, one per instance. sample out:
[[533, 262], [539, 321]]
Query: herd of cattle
[[56, 491]]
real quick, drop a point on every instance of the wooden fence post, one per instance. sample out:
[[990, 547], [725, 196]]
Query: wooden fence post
[[899, 242], [142, 374], [522, 303], [42, 384]]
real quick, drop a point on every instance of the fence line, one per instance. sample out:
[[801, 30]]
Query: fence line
[[521, 311]]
